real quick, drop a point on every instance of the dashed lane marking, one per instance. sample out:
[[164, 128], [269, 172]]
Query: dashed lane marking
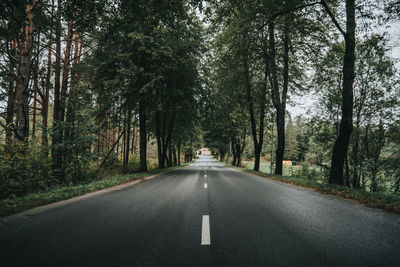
[[205, 231]]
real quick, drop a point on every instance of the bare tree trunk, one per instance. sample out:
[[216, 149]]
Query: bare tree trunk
[[179, 153], [57, 131], [45, 94], [169, 160], [347, 181], [174, 155], [257, 141], [35, 90], [159, 141], [10, 97], [272, 146], [65, 73], [127, 141], [118, 141], [133, 137], [22, 96], [72, 99], [143, 135], [346, 124], [233, 148], [279, 100]]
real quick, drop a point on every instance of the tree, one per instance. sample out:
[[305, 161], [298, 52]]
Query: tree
[[339, 152]]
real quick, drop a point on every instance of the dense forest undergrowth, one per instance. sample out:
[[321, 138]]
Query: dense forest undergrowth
[[97, 88]]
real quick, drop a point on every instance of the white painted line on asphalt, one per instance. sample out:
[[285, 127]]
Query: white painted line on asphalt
[[205, 231], [205, 175], [205, 185]]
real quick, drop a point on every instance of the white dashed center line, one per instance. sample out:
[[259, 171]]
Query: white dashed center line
[[205, 175], [205, 185], [205, 231]]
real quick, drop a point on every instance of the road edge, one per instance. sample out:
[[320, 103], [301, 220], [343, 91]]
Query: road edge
[[38, 209], [325, 191]]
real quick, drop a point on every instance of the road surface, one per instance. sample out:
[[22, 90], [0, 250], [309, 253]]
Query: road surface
[[203, 215]]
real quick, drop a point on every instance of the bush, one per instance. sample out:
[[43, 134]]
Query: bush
[[23, 170]]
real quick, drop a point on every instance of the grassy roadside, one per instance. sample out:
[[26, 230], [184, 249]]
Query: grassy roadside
[[388, 202], [18, 204]]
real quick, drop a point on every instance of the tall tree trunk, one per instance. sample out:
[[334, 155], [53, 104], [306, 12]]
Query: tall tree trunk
[[279, 100], [24, 73], [35, 91], [169, 139], [143, 135], [72, 99], [280, 150], [127, 142], [159, 142], [346, 124], [34, 108], [272, 145], [257, 143], [241, 150], [356, 140], [46, 92], [174, 154], [356, 176], [169, 159], [347, 181], [57, 130], [133, 137], [233, 148], [11, 96], [179, 153], [65, 73]]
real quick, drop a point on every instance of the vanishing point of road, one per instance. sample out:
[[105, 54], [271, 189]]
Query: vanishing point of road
[[202, 215]]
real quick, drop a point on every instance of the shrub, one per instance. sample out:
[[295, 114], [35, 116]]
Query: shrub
[[23, 170]]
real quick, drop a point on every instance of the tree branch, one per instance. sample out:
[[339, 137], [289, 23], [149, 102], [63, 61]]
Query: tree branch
[[329, 11], [288, 11]]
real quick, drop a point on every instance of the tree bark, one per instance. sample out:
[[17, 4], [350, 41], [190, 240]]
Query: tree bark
[[169, 159], [23, 77], [35, 92], [279, 100], [179, 153], [347, 181], [233, 148], [272, 146], [56, 133], [159, 143], [143, 135], [46, 91], [10, 97], [127, 142], [356, 176], [240, 154], [65, 73], [346, 124], [174, 154], [72, 99], [257, 141]]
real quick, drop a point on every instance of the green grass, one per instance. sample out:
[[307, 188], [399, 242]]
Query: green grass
[[389, 202], [18, 204], [265, 167]]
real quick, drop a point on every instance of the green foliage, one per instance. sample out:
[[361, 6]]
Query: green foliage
[[389, 202], [24, 171], [16, 204]]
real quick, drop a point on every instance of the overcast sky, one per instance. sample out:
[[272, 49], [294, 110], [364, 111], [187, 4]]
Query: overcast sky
[[303, 104]]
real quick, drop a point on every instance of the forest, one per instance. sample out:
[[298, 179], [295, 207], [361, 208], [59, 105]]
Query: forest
[[95, 88]]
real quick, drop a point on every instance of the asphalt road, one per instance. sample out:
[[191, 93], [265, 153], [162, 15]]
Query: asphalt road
[[237, 219]]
